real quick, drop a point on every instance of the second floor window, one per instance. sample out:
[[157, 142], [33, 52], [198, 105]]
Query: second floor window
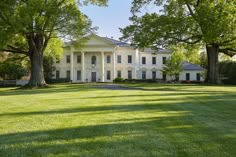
[[68, 59], [129, 59], [108, 59], [154, 60], [93, 60], [163, 60], [119, 59], [143, 60], [78, 59]]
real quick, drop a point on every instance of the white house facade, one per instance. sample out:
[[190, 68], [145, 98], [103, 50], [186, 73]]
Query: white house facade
[[104, 59]]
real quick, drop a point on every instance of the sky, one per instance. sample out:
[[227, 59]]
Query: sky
[[109, 19]]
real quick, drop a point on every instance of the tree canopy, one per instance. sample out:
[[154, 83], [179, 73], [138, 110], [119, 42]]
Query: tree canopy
[[207, 22], [27, 26]]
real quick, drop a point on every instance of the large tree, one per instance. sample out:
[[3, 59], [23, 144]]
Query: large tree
[[27, 26], [211, 23]]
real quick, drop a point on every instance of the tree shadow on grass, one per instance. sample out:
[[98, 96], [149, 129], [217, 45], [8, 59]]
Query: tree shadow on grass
[[62, 88], [116, 108], [65, 88], [163, 136], [163, 103]]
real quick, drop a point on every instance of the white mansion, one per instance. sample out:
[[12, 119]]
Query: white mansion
[[103, 59]]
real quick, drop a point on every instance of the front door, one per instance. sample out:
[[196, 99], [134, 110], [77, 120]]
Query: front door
[[94, 79]]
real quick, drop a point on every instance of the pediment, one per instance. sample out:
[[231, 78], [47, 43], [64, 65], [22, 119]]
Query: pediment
[[94, 40]]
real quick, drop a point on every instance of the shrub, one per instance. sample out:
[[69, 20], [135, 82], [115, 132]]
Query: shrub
[[227, 71], [118, 79]]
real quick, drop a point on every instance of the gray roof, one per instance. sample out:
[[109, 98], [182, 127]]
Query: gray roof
[[190, 66], [117, 42], [157, 51]]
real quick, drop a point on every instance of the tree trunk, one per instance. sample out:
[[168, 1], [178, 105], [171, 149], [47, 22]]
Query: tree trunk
[[213, 70], [36, 59]]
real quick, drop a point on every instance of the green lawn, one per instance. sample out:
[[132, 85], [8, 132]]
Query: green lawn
[[146, 120]]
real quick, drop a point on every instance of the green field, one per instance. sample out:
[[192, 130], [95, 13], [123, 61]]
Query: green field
[[144, 120]]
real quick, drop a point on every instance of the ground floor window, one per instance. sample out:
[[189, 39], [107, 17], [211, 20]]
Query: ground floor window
[[118, 73], [68, 74], [164, 76], [78, 75], [129, 74], [143, 75], [187, 76], [198, 77], [108, 75], [154, 75], [57, 74]]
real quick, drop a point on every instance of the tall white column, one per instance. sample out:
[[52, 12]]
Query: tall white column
[[136, 64], [82, 67], [114, 64], [72, 66], [103, 71]]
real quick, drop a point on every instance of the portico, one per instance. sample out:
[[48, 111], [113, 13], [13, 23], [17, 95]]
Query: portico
[[92, 66]]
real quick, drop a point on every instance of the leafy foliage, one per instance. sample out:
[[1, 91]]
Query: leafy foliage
[[11, 67], [173, 66], [26, 27], [210, 23], [180, 21]]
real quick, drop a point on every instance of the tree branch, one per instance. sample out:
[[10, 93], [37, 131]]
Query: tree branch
[[228, 51], [14, 51]]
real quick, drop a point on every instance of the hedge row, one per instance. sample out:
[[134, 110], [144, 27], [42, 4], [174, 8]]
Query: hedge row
[[227, 72]]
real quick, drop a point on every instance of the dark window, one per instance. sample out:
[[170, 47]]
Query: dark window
[[143, 60], [187, 76], [78, 59], [57, 74], [129, 74], [68, 59], [143, 75], [93, 60], [68, 74], [108, 75], [118, 73], [119, 59], [198, 77], [154, 75], [164, 76], [78, 75], [176, 77], [129, 59], [163, 60], [108, 59], [154, 60]]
